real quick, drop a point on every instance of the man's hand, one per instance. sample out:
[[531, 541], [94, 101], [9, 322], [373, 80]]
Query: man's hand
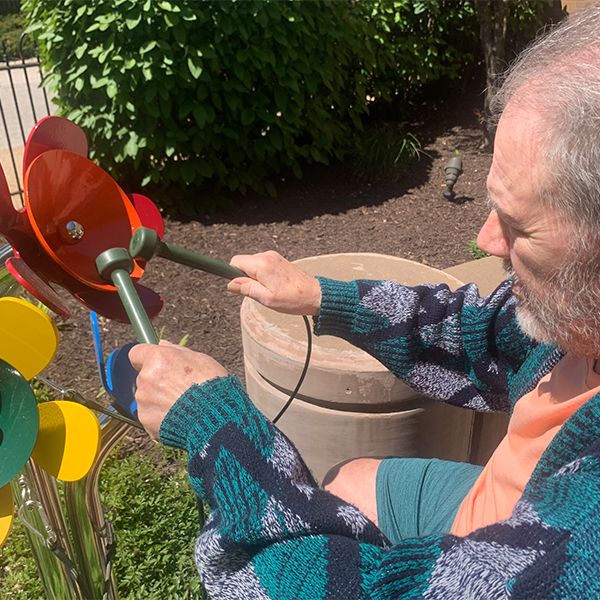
[[165, 372], [276, 283]]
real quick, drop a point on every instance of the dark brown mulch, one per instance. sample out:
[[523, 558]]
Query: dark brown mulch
[[328, 211]]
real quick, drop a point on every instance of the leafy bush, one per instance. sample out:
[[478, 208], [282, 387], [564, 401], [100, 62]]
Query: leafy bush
[[188, 91], [11, 28], [385, 151], [231, 92], [420, 41]]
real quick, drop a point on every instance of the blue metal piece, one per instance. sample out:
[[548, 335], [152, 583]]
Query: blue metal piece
[[117, 375], [121, 377], [98, 350]]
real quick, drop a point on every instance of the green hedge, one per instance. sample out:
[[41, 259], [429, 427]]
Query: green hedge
[[421, 41], [188, 91], [11, 28]]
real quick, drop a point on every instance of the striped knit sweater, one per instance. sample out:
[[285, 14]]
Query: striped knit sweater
[[273, 533]]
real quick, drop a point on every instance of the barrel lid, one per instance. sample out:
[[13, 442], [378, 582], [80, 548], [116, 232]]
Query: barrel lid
[[275, 344]]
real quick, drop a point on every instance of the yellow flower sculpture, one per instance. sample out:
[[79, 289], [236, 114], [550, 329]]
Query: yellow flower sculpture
[[60, 436]]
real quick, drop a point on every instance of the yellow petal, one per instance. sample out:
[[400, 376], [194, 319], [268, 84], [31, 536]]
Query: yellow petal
[[6, 512], [28, 336], [68, 440]]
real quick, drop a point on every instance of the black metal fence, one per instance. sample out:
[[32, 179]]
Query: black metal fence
[[22, 103]]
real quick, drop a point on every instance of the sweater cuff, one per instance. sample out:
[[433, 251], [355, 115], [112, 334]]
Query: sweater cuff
[[339, 300], [202, 405]]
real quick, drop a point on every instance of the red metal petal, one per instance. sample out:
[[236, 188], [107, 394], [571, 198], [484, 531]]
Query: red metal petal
[[36, 286], [148, 212], [8, 212], [108, 304], [54, 133], [61, 187]]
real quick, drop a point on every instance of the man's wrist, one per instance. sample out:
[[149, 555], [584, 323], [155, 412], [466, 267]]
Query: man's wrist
[[191, 407], [316, 304]]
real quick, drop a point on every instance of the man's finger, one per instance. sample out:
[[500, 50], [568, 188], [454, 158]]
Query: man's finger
[[236, 285], [139, 354], [249, 263]]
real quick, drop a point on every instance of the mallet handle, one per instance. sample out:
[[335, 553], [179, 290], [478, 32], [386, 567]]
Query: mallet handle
[[198, 261], [145, 244]]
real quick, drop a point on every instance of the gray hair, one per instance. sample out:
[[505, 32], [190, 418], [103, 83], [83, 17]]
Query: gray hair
[[559, 76]]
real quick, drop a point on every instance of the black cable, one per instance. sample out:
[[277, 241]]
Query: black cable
[[302, 375]]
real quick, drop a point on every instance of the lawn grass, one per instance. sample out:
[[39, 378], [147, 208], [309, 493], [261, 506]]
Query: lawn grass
[[155, 518]]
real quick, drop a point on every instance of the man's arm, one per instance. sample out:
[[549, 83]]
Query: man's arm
[[273, 534], [454, 346]]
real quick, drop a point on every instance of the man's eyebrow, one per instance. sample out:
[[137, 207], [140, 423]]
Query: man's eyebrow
[[503, 215]]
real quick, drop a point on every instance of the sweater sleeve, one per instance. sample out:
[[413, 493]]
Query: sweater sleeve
[[273, 534], [453, 346]]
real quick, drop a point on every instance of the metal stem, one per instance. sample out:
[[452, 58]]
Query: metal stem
[[134, 307]]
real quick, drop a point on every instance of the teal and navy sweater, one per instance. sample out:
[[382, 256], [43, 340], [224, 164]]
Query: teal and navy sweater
[[273, 533]]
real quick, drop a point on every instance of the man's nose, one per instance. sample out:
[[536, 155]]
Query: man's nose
[[492, 237]]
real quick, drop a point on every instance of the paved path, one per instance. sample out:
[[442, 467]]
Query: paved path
[[30, 109]]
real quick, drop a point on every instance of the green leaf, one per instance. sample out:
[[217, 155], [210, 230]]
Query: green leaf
[[247, 116], [80, 51], [195, 70], [76, 74], [168, 6], [148, 46], [132, 23], [111, 89], [200, 115], [179, 33], [131, 147]]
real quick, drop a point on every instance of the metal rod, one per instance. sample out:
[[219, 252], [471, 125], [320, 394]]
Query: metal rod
[[198, 261], [133, 307], [11, 152], [75, 396], [27, 83], [9, 67], [42, 85], [92, 533], [14, 95], [24, 67], [145, 244], [115, 265], [57, 578]]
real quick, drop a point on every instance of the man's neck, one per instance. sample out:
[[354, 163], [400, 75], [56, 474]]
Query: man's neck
[[597, 366]]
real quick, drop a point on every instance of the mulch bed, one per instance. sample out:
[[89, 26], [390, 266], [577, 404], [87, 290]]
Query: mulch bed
[[328, 211]]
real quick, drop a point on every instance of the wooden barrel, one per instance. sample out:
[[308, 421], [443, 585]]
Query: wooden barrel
[[349, 405]]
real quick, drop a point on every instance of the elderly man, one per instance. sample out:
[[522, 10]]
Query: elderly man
[[528, 524]]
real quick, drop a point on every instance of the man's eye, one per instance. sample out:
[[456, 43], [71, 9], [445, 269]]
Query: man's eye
[[510, 227]]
